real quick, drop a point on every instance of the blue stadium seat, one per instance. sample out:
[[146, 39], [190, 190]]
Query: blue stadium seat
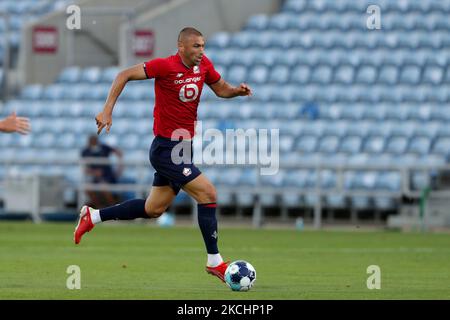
[[321, 75], [109, 74], [405, 129], [285, 111], [237, 74], [24, 141], [437, 94], [397, 145], [352, 112], [32, 92], [286, 57], [419, 145], [374, 112], [433, 75], [257, 22], [224, 57], [389, 180], [374, 144], [366, 75], [336, 128], [280, 74], [70, 75], [435, 60], [220, 40], [280, 21], [420, 113], [286, 143], [296, 178], [91, 75], [388, 75], [7, 140], [351, 144], [307, 144], [258, 74], [440, 113], [301, 74], [67, 140], [263, 39], [380, 129], [101, 91], [399, 112], [292, 128], [418, 95], [294, 6], [241, 40], [441, 146], [328, 144], [54, 92], [44, 140], [78, 92], [410, 75], [344, 74]]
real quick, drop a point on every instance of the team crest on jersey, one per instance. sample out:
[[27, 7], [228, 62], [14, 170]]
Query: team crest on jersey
[[196, 69], [187, 171], [179, 75]]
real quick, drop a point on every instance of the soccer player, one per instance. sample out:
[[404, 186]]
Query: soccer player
[[179, 81], [13, 123]]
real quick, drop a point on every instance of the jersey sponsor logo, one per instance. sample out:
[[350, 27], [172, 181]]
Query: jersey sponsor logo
[[188, 80], [188, 92]]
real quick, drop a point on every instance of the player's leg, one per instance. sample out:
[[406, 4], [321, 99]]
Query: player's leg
[[159, 199], [204, 192], [156, 203]]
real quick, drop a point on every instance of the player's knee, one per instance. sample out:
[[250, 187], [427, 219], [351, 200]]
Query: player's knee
[[154, 211], [210, 194]]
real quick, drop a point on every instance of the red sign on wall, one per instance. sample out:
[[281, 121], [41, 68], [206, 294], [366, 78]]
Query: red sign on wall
[[45, 39], [143, 43]]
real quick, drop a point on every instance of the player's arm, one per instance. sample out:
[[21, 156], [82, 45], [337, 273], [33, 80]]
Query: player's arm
[[104, 118], [224, 90]]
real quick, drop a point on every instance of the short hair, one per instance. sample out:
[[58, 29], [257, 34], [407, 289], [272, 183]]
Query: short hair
[[188, 31]]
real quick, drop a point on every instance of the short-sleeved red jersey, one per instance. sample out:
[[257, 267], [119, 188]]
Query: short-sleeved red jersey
[[177, 92]]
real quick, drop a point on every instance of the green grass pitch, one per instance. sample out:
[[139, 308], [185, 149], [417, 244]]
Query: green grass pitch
[[142, 261]]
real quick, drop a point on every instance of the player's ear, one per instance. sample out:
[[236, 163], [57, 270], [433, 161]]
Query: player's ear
[[180, 46]]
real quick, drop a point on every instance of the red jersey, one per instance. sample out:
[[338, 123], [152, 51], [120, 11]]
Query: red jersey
[[177, 92]]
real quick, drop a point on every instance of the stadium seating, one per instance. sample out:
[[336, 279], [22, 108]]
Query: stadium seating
[[339, 93]]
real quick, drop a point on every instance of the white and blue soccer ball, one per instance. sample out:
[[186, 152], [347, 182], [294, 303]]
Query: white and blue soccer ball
[[240, 275], [166, 220]]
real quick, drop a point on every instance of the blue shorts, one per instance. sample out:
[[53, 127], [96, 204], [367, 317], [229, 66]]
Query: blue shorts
[[167, 172]]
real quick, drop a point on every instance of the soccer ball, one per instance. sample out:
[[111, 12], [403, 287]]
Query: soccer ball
[[240, 275], [167, 220]]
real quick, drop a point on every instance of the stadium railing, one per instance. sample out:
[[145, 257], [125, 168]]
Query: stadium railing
[[143, 178]]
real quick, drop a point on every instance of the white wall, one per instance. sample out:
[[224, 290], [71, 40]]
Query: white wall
[[96, 43]]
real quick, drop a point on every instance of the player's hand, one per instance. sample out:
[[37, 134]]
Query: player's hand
[[244, 90], [13, 123], [103, 119]]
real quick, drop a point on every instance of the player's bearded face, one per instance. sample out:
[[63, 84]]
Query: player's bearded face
[[192, 49]]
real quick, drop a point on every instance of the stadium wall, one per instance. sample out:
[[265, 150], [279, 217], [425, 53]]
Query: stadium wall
[[95, 43]]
